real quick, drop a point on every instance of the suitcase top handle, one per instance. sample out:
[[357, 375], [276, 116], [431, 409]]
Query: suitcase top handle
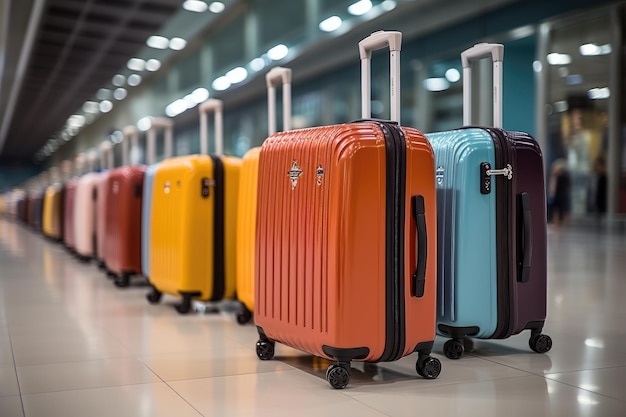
[[211, 105], [272, 78], [106, 154], [495, 51], [378, 40], [159, 123]]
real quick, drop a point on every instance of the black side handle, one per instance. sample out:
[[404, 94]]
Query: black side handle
[[419, 277], [527, 239]]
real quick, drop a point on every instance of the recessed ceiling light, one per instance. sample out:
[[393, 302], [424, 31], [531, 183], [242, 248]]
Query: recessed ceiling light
[[120, 93], [177, 44], [221, 83], [436, 84], [90, 107], [330, 24], [118, 80], [216, 7], [134, 80], [136, 64], [76, 120], [278, 52], [105, 106], [177, 107], [145, 123], [103, 94], [200, 95], [360, 7], [257, 64], [195, 6], [453, 75], [237, 75], [153, 65], [157, 42], [559, 59]]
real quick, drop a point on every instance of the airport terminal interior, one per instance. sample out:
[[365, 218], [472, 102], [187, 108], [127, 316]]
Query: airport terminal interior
[[87, 86]]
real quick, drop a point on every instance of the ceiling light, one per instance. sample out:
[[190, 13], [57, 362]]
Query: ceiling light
[[388, 5], [178, 44], [330, 24], [561, 106], [103, 94], [105, 106], [134, 80], [436, 84], [360, 7], [598, 94], [145, 123], [559, 59], [176, 108], [153, 65], [237, 75], [200, 95], [537, 66], [120, 93], [76, 120], [278, 52], [90, 107], [522, 32], [574, 79], [453, 75], [221, 83], [257, 64], [136, 64], [195, 6], [118, 80], [591, 49], [216, 7], [157, 42]]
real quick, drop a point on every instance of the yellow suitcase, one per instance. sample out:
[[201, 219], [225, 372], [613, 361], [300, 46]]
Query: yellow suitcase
[[193, 225], [52, 221], [246, 214]]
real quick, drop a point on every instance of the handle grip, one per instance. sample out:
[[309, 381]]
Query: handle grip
[[211, 105], [378, 40], [495, 51], [527, 239], [419, 276], [273, 78], [130, 135]]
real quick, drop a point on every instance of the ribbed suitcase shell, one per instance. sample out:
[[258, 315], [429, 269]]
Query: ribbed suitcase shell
[[52, 223], [321, 253], [182, 251], [68, 214], [84, 215], [101, 207], [479, 243], [246, 226], [30, 207], [146, 216], [122, 245]]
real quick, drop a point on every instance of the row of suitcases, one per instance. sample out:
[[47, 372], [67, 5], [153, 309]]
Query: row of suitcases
[[356, 241]]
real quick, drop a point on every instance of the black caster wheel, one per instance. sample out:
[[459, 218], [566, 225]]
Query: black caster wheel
[[453, 349], [540, 343], [111, 274], [184, 307], [468, 344], [428, 367], [244, 315], [338, 376], [265, 349], [154, 296], [122, 281]]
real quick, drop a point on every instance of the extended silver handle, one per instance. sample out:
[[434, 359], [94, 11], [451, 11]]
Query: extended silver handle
[[212, 105], [157, 123], [378, 40], [275, 76], [495, 51]]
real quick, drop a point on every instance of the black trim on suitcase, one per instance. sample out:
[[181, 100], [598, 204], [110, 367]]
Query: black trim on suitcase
[[218, 231], [527, 239], [418, 282], [458, 332]]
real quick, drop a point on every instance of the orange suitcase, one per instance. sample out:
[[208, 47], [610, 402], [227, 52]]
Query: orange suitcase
[[346, 240], [248, 181]]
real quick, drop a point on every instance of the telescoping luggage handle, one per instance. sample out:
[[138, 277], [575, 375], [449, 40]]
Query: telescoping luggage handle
[[106, 155], [211, 105], [378, 40], [495, 51], [273, 77], [157, 123], [130, 141]]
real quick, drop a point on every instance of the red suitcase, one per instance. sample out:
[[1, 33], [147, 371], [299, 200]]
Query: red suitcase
[[346, 249]]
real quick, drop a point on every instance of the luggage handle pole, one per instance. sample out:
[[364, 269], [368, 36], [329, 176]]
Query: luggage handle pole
[[106, 155], [273, 76], [159, 123], [216, 106], [378, 40], [130, 134], [419, 276], [479, 51], [527, 245]]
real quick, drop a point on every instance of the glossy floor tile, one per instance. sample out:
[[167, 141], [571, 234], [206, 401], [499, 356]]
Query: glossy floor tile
[[72, 344]]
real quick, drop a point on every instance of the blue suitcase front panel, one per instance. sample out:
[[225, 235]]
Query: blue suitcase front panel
[[466, 228]]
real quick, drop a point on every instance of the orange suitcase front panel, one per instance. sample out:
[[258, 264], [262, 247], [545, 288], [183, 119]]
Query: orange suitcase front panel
[[321, 242]]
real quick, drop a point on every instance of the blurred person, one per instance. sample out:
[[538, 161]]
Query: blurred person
[[559, 193]]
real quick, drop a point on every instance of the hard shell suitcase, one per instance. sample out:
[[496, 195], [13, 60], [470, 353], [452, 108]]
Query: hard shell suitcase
[[85, 215], [248, 183], [106, 161], [491, 227], [68, 215], [52, 222], [148, 181], [38, 209], [30, 207], [122, 237], [194, 206], [346, 238]]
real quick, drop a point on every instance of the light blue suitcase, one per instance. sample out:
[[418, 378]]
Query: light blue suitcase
[[491, 227], [148, 183]]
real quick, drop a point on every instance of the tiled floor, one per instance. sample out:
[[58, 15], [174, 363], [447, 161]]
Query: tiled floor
[[72, 344]]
